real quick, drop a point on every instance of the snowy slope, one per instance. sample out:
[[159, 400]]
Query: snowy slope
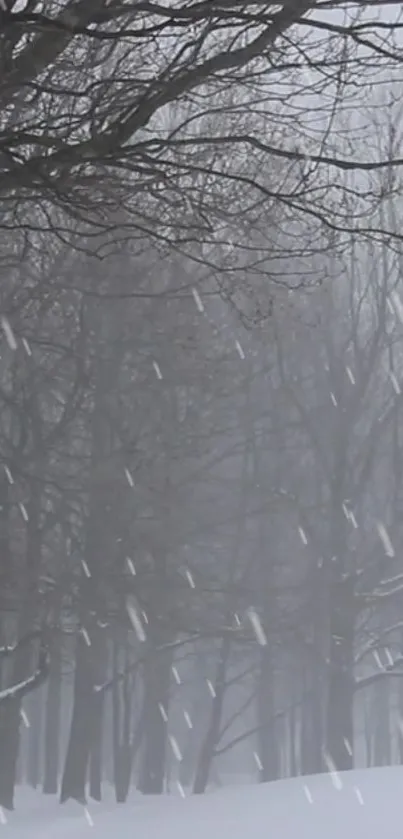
[[364, 804]]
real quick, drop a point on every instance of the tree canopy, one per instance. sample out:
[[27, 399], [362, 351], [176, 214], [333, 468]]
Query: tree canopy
[[187, 120]]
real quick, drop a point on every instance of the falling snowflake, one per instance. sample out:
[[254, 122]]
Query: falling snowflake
[[239, 350], [129, 477], [163, 712], [211, 688], [304, 538], [88, 816], [190, 579], [395, 383], [23, 511], [257, 627], [334, 400], [258, 762], [350, 375], [308, 794], [157, 370], [348, 746], [359, 795], [353, 520], [8, 475], [175, 748], [378, 660], [385, 538], [188, 720], [25, 718], [10, 337], [176, 675], [389, 306], [26, 346], [198, 300], [86, 570], [335, 777], [180, 789], [349, 515], [397, 303], [135, 619], [130, 566], [86, 637]]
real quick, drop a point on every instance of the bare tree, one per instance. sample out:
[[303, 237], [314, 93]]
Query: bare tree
[[114, 115]]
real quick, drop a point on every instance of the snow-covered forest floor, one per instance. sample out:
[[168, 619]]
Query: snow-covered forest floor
[[362, 803]]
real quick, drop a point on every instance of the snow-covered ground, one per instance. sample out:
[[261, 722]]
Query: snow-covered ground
[[363, 804]]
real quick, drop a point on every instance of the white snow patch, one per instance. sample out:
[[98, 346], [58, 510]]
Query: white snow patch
[[368, 804]]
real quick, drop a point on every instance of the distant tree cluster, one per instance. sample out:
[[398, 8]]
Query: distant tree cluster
[[200, 393]]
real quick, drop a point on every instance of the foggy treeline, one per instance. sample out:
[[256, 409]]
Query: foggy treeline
[[200, 394]]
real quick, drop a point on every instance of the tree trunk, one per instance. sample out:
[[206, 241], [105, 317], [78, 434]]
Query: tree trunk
[[382, 743], [267, 739], [368, 734], [311, 719], [34, 716], [96, 751], [292, 729], [9, 739], [186, 768], [340, 740], [52, 724], [124, 747], [206, 756], [84, 725], [84, 746], [6, 557], [156, 686], [10, 712], [400, 721], [123, 770]]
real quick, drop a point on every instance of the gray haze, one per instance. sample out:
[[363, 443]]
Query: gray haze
[[201, 413]]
